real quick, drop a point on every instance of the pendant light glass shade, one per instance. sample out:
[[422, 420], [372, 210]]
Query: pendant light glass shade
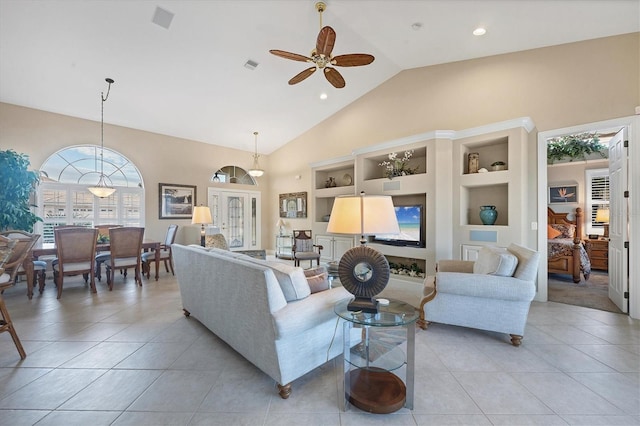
[[101, 189], [255, 170]]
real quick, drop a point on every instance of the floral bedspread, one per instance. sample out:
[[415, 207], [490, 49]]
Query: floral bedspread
[[564, 247]]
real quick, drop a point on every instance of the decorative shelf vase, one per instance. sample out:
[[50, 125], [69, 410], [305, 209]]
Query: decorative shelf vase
[[488, 215]]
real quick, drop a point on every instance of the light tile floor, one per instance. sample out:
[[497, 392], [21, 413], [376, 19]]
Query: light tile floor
[[129, 357]]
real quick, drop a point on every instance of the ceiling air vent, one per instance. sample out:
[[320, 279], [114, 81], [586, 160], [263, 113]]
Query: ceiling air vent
[[162, 17], [251, 64]]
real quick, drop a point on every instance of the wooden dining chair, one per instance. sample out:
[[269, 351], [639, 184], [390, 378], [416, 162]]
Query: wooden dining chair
[[165, 253], [126, 249], [76, 250], [22, 250], [103, 235], [7, 245]]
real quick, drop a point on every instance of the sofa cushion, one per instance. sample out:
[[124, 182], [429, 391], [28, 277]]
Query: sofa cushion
[[495, 261], [317, 278], [292, 280]]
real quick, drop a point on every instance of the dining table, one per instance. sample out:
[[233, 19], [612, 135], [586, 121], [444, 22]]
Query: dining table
[[48, 249]]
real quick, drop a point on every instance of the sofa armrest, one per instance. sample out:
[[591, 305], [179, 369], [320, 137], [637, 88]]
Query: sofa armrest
[[455, 266], [302, 315], [486, 286]]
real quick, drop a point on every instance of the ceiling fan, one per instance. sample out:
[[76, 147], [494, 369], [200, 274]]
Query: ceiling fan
[[321, 56]]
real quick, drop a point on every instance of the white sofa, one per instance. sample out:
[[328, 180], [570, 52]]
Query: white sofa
[[482, 296], [262, 309]]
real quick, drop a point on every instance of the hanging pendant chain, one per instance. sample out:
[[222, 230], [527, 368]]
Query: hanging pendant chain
[[104, 99]]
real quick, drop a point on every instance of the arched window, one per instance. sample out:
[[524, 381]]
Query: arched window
[[63, 197], [233, 174]]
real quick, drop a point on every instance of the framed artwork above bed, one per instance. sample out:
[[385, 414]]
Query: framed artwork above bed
[[563, 194]]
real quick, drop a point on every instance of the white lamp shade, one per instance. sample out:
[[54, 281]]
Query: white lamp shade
[[280, 222], [101, 191], [201, 214], [363, 215], [602, 215]]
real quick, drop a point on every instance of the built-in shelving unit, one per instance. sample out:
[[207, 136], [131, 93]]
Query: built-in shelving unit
[[505, 189], [441, 182]]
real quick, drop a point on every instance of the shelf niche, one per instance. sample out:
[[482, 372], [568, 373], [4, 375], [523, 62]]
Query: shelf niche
[[490, 195], [373, 169], [488, 151]]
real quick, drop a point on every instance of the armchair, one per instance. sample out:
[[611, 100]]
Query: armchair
[[15, 265], [472, 294], [304, 249]]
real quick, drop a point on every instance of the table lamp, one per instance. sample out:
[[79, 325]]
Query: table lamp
[[280, 224], [201, 215], [363, 271], [602, 216]]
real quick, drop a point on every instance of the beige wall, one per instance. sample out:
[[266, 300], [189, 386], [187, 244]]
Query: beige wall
[[159, 158], [557, 87], [565, 173]]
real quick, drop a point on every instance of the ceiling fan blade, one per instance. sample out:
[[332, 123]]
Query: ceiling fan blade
[[326, 41], [334, 77], [352, 60], [292, 56], [301, 76]]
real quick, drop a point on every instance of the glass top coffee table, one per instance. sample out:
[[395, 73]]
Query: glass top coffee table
[[374, 360]]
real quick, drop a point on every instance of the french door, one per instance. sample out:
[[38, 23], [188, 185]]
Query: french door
[[237, 217]]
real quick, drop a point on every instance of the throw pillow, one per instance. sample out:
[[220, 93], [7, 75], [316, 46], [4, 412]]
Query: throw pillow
[[552, 232], [566, 230], [216, 241], [318, 279], [495, 261]]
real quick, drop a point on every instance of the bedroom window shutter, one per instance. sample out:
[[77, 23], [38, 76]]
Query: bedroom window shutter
[[597, 196]]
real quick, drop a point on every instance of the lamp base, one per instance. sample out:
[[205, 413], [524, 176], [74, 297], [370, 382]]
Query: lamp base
[[364, 304]]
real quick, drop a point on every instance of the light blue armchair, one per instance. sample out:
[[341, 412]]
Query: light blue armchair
[[482, 299]]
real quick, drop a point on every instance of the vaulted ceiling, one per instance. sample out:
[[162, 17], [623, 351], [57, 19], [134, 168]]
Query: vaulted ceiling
[[190, 81]]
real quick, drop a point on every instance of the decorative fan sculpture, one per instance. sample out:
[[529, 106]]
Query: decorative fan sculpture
[[321, 56]]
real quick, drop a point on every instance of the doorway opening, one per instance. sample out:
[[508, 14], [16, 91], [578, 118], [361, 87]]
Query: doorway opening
[[558, 176]]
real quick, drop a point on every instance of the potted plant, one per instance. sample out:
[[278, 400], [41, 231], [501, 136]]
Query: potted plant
[[17, 183], [575, 147], [498, 165]]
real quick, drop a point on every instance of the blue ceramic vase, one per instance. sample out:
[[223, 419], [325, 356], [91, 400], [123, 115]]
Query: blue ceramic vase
[[488, 215]]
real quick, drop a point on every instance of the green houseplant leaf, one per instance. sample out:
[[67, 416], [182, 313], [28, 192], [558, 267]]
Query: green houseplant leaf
[[574, 147], [17, 183]]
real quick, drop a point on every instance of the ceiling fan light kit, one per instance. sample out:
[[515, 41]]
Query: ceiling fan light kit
[[321, 57]]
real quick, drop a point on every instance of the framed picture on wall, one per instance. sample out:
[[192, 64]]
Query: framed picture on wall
[[176, 201], [293, 205], [563, 194]]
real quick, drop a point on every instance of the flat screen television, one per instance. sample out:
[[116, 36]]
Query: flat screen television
[[411, 222]]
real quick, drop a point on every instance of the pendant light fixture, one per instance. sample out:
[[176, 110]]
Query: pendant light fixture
[[102, 190], [255, 170]]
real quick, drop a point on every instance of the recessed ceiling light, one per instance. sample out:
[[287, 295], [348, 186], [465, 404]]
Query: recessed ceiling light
[[479, 31], [416, 26], [323, 96]]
